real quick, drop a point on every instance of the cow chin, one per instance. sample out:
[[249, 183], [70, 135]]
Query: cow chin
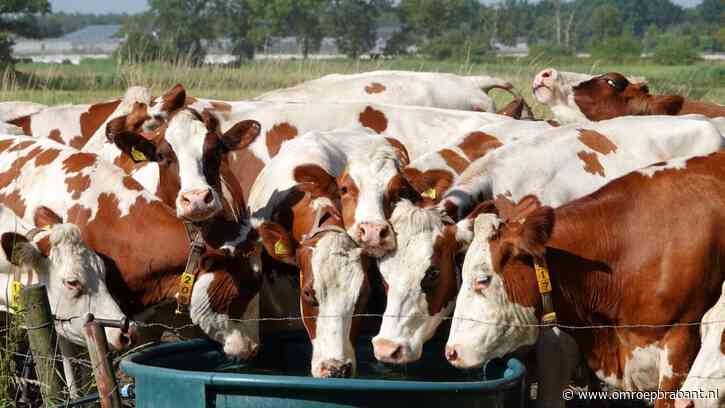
[[543, 94]]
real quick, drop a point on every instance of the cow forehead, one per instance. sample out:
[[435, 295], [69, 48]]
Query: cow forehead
[[417, 230], [337, 269], [478, 257], [186, 135], [373, 170]]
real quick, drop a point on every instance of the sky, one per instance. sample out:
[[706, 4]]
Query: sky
[[135, 6]]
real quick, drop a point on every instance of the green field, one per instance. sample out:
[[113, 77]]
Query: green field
[[95, 80]]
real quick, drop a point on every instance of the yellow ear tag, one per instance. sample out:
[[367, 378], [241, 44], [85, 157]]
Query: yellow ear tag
[[137, 155], [429, 193], [15, 289], [280, 248]]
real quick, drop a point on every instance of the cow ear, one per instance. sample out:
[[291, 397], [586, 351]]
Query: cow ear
[[464, 228], [45, 217], [401, 151], [534, 231], [666, 105], [137, 147], [174, 99], [241, 134], [278, 242], [314, 179], [18, 250]]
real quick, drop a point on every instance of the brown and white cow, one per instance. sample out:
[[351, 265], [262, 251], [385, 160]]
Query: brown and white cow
[[76, 125], [335, 169], [570, 161], [142, 242], [420, 275], [640, 254], [74, 275], [432, 89], [580, 98]]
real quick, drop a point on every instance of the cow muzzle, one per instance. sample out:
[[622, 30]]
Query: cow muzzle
[[197, 205], [335, 369], [376, 239], [389, 351], [121, 340]]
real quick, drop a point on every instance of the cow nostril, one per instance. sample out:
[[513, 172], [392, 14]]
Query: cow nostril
[[255, 350], [546, 74], [185, 200], [451, 354], [208, 197], [346, 370], [396, 353], [384, 232]]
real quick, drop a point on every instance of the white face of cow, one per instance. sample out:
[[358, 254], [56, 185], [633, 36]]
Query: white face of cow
[[338, 281], [364, 187], [486, 323], [408, 322], [75, 277], [196, 200]]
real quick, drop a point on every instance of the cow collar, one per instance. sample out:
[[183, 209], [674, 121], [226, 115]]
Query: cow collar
[[543, 279], [191, 271]]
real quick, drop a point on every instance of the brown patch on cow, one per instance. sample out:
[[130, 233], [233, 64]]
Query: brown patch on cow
[[402, 152], [597, 141], [91, 120], [46, 157], [591, 163], [23, 122], [373, 119], [126, 163], [477, 144], [454, 160], [445, 289], [14, 171], [77, 185], [79, 215], [246, 167], [5, 144], [21, 146], [15, 202], [375, 87], [131, 184], [710, 110], [277, 135], [78, 161], [54, 135], [221, 106], [722, 342]]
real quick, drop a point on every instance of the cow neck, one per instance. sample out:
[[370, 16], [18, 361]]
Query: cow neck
[[148, 249], [231, 193], [581, 264]]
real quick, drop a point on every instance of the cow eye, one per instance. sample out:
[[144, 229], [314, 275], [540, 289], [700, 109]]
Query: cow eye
[[308, 294], [430, 279], [482, 283], [343, 190], [612, 83]]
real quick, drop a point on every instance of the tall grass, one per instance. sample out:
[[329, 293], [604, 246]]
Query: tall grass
[[95, 80]]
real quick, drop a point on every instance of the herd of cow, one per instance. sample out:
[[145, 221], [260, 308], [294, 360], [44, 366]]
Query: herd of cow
[[596, 237]]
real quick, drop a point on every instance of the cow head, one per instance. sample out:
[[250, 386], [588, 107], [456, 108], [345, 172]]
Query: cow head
[[421, 279], [496, 306], [369, 187], [333, 279], [74, 275], [225, 302], [611, 95], [189, 151]]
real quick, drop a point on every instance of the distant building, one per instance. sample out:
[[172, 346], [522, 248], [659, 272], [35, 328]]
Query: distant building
[[91, 41]]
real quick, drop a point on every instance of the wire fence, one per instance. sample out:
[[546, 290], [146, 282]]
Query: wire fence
[[177, 330]]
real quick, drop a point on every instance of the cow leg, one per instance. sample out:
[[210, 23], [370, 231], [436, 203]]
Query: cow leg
[[557, 356], [680, 347]]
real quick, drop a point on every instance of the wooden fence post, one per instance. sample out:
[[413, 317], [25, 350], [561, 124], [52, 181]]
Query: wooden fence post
[[39, 323], [102, 369]]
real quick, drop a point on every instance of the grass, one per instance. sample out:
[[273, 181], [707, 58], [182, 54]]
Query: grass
[[95, 80]]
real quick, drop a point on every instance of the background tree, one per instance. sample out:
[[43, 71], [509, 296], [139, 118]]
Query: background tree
[[353, 24], [605, 23], [16, 18], [243, 22], [301, 18]]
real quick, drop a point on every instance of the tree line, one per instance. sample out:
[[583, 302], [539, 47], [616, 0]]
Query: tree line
[[440, 29]]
